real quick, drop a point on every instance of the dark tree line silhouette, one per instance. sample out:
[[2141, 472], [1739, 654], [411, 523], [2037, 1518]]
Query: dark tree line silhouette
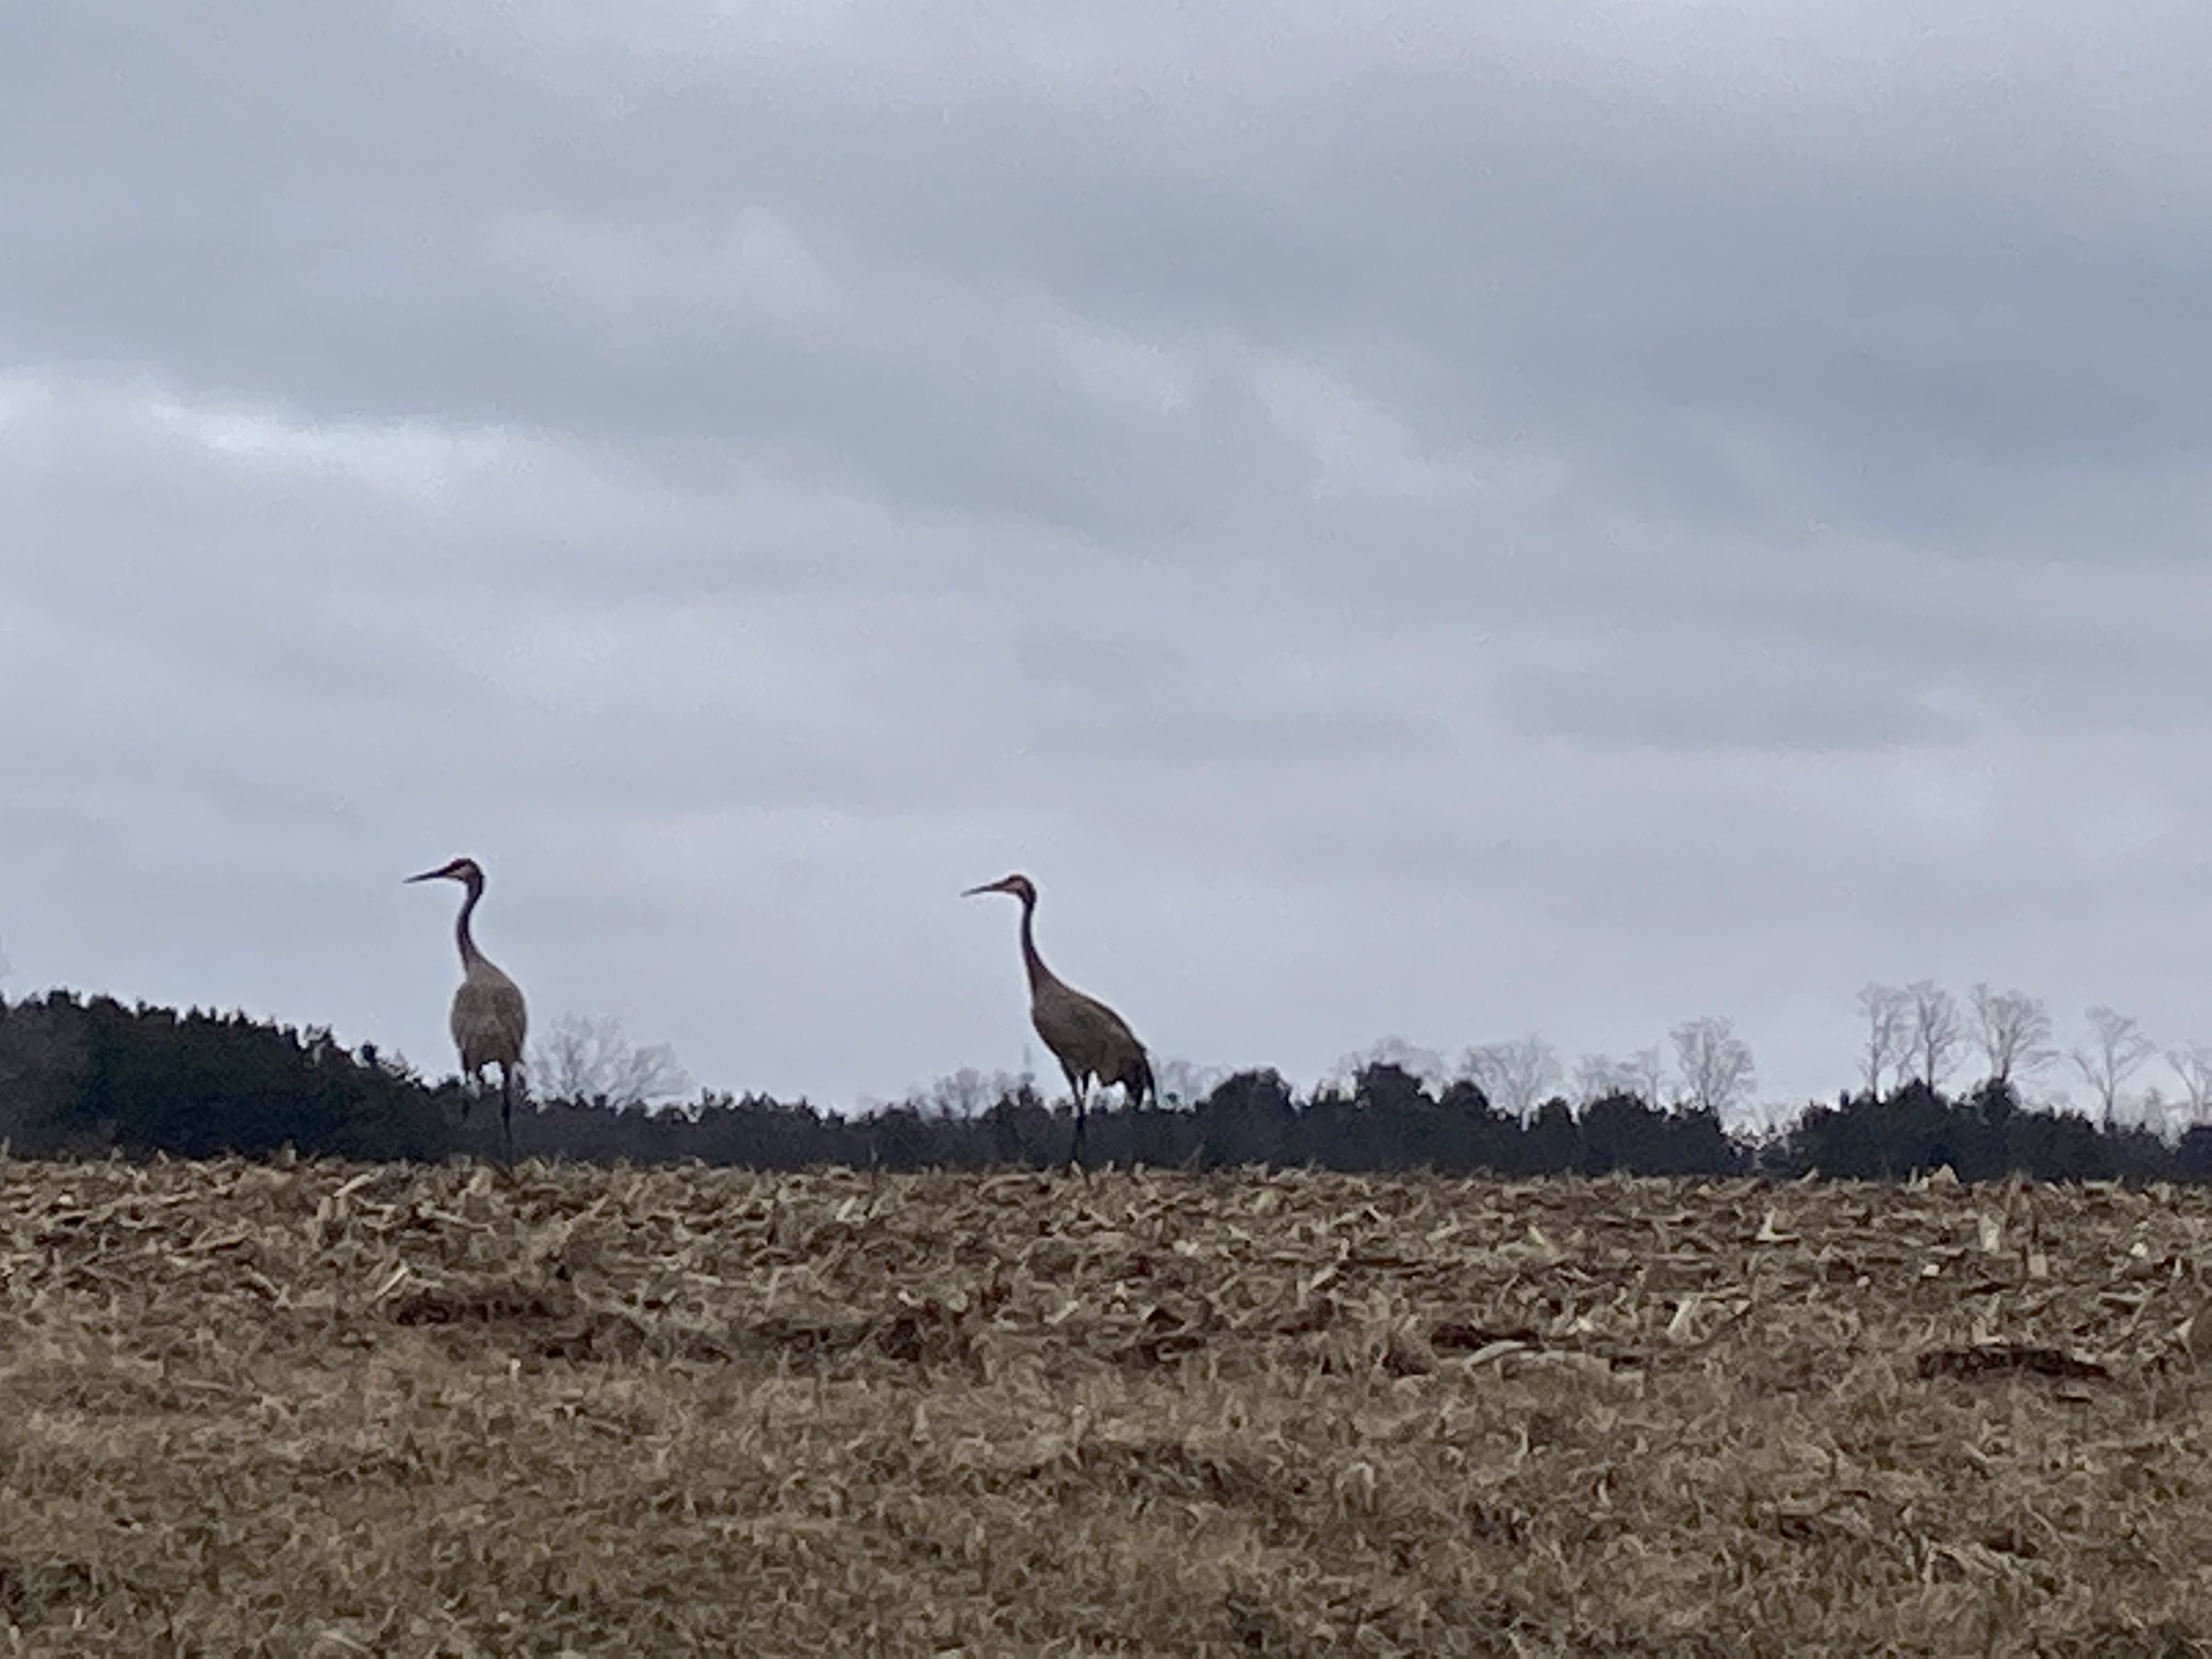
[[88, 1077]]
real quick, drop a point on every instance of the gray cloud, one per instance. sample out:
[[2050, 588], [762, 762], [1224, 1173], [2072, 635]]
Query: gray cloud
[[1537, 520]]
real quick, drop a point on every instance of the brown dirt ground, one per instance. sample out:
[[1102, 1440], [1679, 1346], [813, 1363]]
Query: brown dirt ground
[[326, 1410]]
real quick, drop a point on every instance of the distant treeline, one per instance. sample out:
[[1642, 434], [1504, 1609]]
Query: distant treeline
[[86, 1077], [89, 1076]]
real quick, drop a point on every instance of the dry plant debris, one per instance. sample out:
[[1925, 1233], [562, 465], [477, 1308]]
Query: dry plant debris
[[323, 1410]]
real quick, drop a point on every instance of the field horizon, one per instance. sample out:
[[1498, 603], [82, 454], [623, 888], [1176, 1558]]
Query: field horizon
[[316, 1408]]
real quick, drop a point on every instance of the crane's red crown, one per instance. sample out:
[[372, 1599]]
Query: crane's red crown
[[463, 870], [1019, 886]]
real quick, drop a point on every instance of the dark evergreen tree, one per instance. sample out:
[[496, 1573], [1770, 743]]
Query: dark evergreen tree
[[89, 1076]]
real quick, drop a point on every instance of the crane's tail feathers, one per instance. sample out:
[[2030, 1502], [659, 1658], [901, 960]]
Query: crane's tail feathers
[[1137, 1082]]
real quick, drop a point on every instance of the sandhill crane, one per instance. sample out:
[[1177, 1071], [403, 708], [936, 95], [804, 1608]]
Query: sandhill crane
[[488, 1020], [1088, 1039]]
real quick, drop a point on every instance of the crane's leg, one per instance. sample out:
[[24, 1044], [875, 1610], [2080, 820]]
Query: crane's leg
[[507, 1109], [1075, 1087]]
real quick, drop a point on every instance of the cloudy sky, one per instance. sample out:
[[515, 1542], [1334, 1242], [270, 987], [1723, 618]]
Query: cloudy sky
[[1434, 521]]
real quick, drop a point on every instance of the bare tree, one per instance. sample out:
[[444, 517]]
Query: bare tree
[[590, 1062], [1640, 1076], [1886, 1010], [2012, 1030], [1518, 1076], [958, 1094], [1935, 1031], [1716, 1064], [2115, 1051], [969, 1093], [2193, 1066], [1427, 1064], [1185, 1083], [1598, 1077]]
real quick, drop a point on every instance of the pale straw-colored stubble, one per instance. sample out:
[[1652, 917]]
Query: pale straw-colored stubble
[[331, 1409]]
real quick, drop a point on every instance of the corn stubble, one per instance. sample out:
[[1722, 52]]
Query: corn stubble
[[326, 1410]]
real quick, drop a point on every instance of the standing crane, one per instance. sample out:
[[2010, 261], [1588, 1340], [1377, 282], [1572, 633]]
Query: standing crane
[[488, 1020], [1088, 1039]]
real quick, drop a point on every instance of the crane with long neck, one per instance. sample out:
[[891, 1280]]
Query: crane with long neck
[[1090, 1040], [488, 1020]]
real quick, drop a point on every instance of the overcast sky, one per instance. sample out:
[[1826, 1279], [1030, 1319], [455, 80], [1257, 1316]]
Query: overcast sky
[[1422, 521]]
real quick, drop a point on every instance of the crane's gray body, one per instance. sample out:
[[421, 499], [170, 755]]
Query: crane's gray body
[[1090, 1040], [489, 1021]]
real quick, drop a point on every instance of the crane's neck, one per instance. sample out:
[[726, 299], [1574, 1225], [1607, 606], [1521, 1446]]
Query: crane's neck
[[1040, 975], [462, 936]]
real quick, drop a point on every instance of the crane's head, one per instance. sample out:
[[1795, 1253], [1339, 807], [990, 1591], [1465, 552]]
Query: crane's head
[[465, 871], [1019, 886]]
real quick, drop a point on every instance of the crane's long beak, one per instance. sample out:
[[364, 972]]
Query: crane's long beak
[[987, 887], [428, 875]]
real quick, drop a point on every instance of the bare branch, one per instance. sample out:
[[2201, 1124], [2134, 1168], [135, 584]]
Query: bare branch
[[1415, 1062], [590, 1062], [2012, 1030], [1933, 1031], [1716, 1064], [2115, 1051], [1518, 1076], [1885, 1010], [968, 1093], [2158, 1114], [2193, 1066], [1185, 1083], [1600, 1077]]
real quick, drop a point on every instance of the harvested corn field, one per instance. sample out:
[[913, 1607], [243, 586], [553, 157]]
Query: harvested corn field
[[326, 1409]]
